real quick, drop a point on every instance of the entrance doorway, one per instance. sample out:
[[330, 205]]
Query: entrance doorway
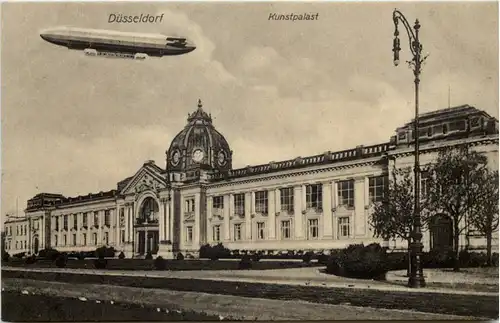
[[35, 245], [441, 233], [148, 241]]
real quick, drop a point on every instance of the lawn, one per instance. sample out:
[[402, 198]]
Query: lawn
[[18, 308], [457, 304], [176, 265]]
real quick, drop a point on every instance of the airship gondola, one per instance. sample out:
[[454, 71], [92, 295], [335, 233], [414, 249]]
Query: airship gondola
[[108, 43]]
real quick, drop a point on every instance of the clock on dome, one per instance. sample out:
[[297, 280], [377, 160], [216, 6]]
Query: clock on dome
[[221, 158], [198, 155]]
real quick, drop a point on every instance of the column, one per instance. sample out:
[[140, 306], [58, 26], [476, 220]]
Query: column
[[127, 222], [172, 219], [248, 216], [367, 205], [147, 247], [209, 229], [197, 220], [100, 236], [78, 225], [117, 226], [59, 233], [297, 207], [335, 201], [327, 210], [161, 219], [228, 202], [168, 223], [277, 202], [359, 206], [271, 209]]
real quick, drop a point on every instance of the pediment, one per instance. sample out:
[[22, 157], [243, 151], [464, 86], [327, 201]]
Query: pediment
[[147, 178]]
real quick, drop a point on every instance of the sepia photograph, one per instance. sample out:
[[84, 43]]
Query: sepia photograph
[[210, 161]]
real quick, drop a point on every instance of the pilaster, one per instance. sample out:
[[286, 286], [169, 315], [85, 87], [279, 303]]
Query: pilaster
[[327, 210], [209, 229], [248, 216], [359, 206], [271, 195], [298, 216], [228, 206], [197, 220]]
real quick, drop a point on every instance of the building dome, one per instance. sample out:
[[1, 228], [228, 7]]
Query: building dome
[[199, 144]]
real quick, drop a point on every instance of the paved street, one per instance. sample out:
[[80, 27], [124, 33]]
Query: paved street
[[223, 305]]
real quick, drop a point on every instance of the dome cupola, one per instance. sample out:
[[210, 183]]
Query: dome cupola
[[199, 145]]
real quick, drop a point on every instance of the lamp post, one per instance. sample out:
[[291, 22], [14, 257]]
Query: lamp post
[[416, 278]]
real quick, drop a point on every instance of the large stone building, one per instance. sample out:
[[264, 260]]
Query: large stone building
[[317, 202]]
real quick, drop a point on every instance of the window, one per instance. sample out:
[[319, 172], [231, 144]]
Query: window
[[314, 196], [96, 219], [346, 193], [122, 217], [216, 233], [65, 240], [55, 241], [261, 202], [25, 244], [75, 221], [84, 219], [25, 229], [474, 123], [402, 136], [457, 125], [84, 238], [285, 229], [261, 230], [65, 222], [286, 198], [107, 218], [237, 231], [189, 205], [74, 239], [122, 236], [445, 128], [377, 186], [239, 204], [429, 132], [94, 239], [189, 234], [218, 202], [344, 228], [106, 238], [313, 229]]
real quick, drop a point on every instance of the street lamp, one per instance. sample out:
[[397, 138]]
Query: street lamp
[[416, 278]]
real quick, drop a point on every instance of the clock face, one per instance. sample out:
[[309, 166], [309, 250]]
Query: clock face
[[221, 158], [176, 156], [198, 155]]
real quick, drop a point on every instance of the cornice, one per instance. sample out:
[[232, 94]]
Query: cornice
[[427, 149], [267, 177]]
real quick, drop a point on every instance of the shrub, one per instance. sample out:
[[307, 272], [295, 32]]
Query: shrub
[[160, 263], [61, 261], [307, 257], [256, 257], [494, 260], [30, 260], [322, 259], [20, 255], [397, 261], [357, 261], [438, 259], [121, 255], [245, 262], [5, 256], [49, 253], [180, 256], [105, 252], [100, 263], [148, 256]]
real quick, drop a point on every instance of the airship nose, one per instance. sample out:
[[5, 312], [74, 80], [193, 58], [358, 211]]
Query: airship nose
[[190, 47]]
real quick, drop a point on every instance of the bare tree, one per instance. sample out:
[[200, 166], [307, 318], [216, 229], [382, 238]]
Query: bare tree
[[455, 188], [484, 216], [393, 217]]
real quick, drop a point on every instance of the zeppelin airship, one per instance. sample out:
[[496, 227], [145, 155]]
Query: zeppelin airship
[[108, 43]]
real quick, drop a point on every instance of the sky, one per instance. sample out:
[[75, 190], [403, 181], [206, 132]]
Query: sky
[[276, 90]]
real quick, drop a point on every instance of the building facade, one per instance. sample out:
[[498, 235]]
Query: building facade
[[319, 202]]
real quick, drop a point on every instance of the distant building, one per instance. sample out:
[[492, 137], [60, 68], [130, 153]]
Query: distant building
[[318, 202]]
